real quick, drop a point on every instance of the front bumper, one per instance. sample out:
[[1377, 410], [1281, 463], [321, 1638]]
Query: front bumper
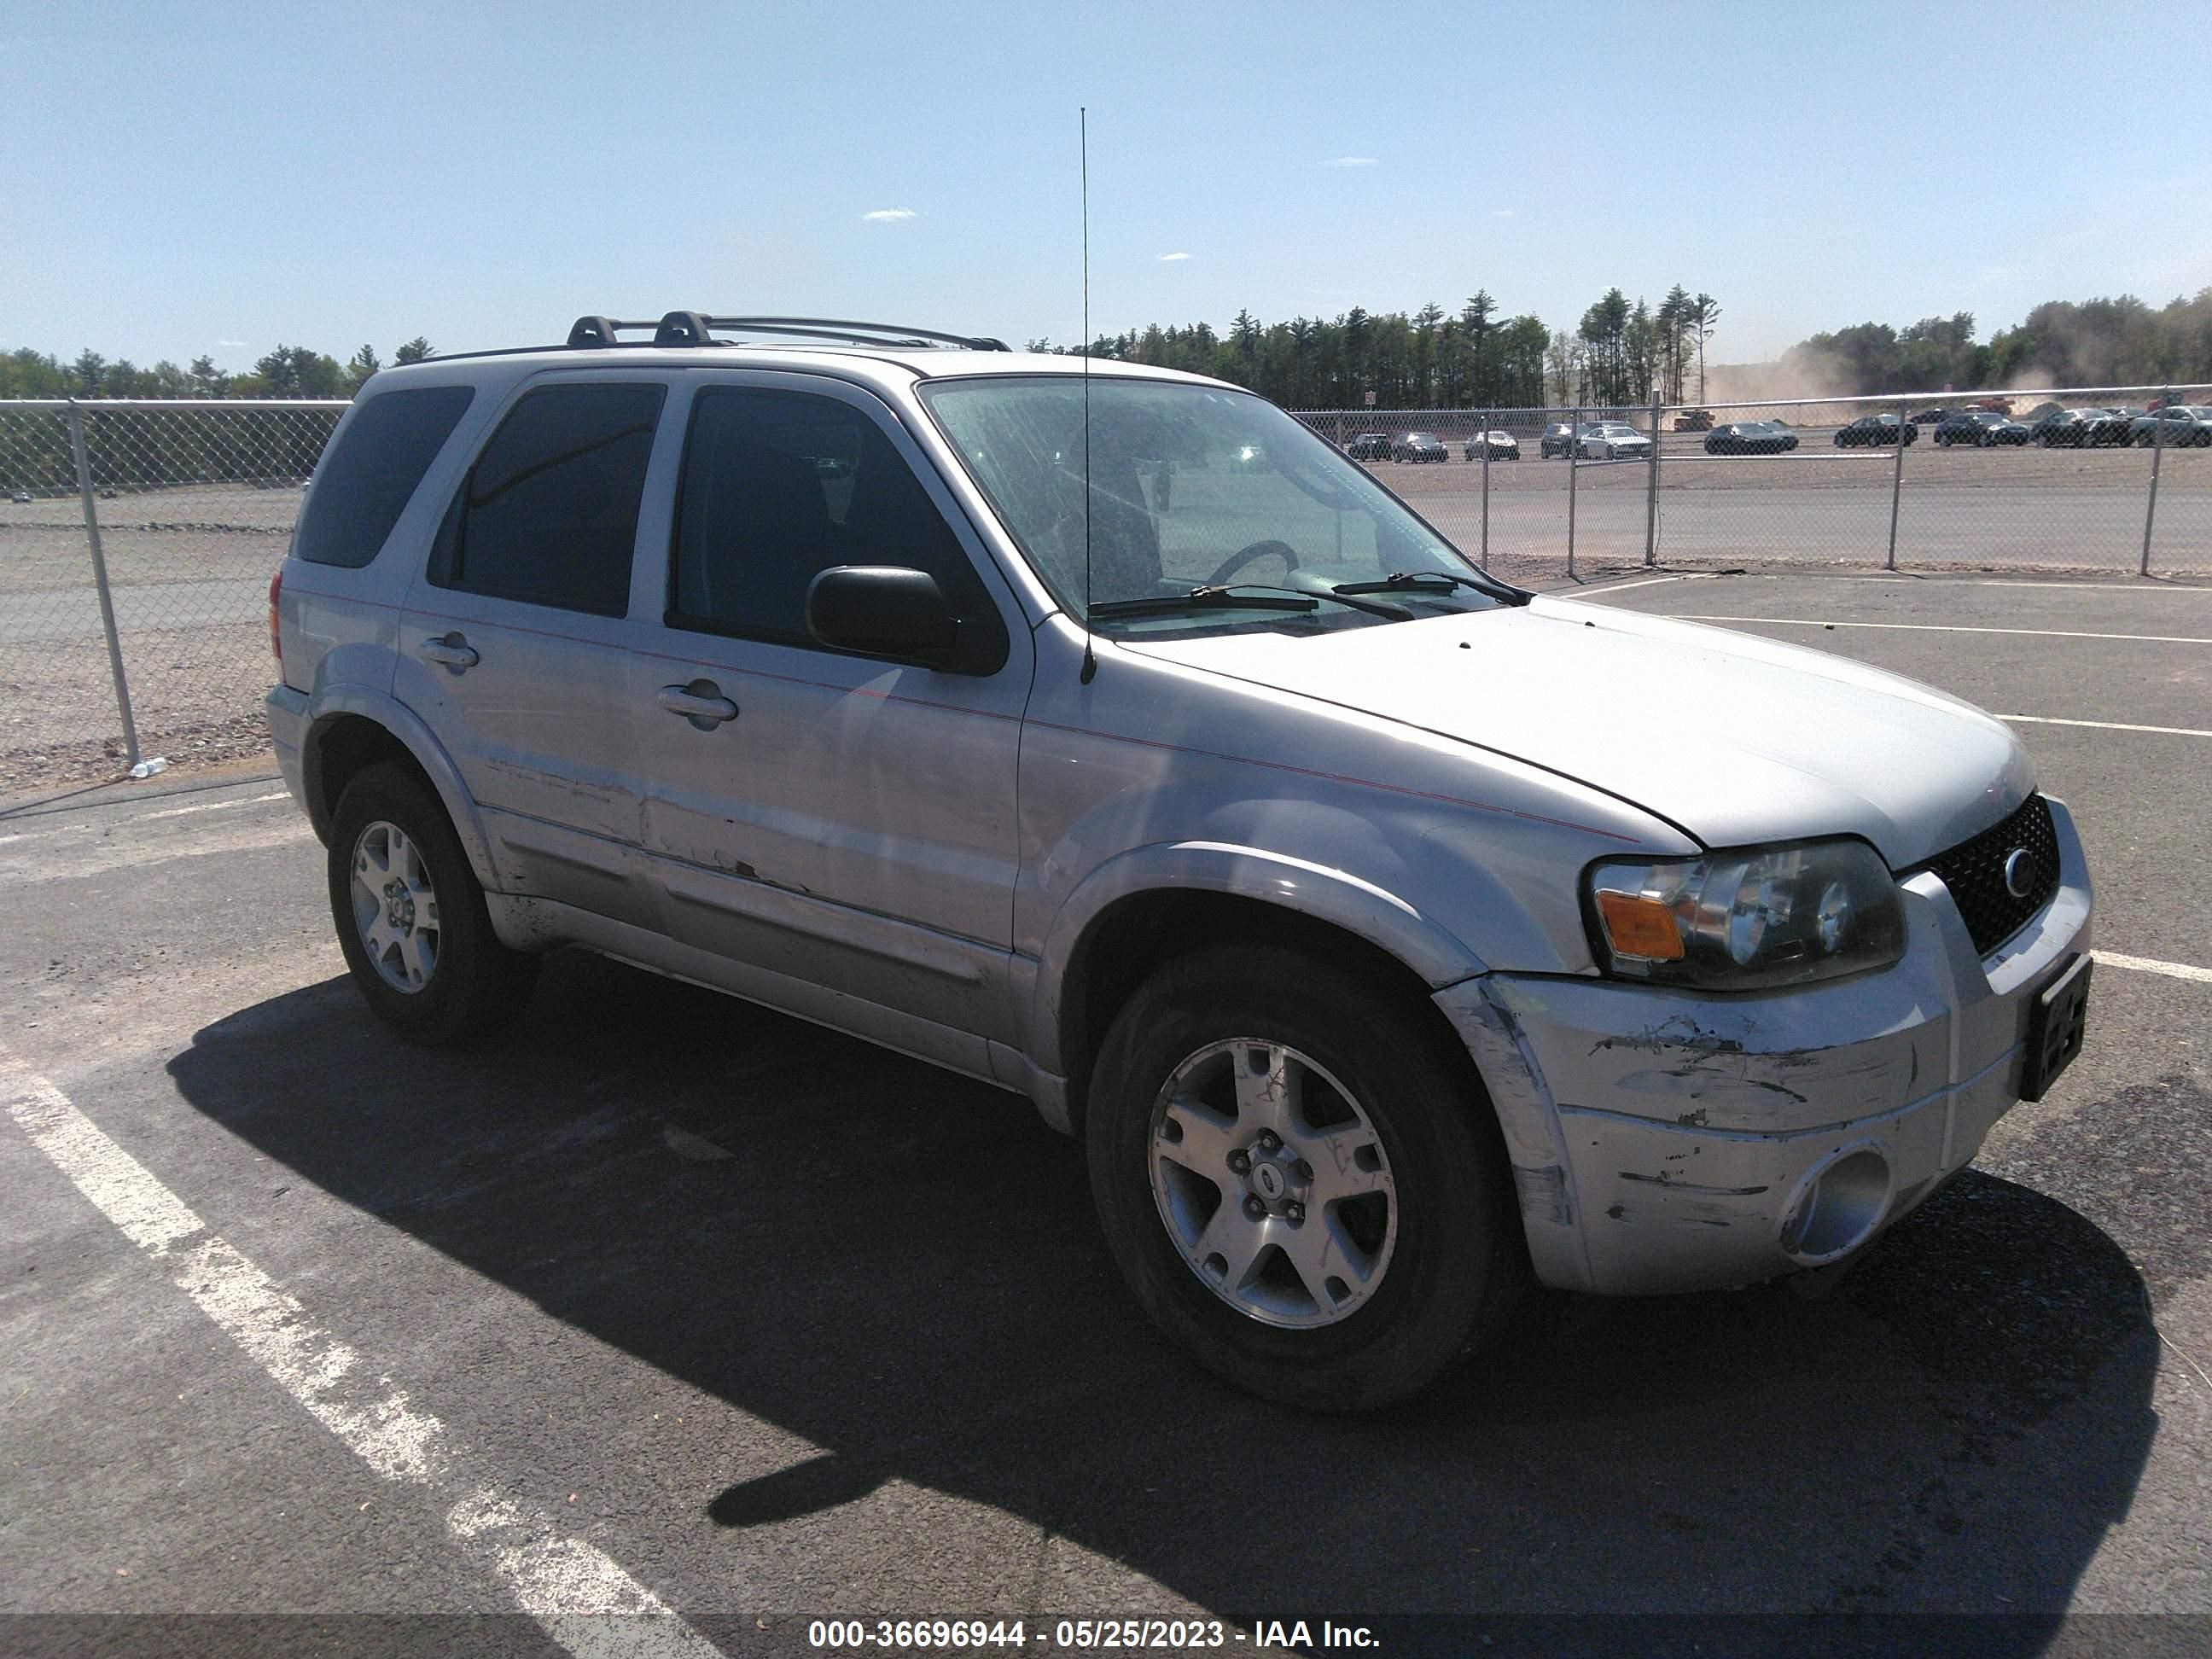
[[1667, 1140]]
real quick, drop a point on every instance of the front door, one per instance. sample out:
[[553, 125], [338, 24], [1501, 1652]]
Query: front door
[[839, 819]]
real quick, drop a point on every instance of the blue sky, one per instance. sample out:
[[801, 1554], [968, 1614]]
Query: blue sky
[[193, 178]]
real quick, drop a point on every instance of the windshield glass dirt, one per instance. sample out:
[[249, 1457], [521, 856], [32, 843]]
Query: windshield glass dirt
[[1190, 486]]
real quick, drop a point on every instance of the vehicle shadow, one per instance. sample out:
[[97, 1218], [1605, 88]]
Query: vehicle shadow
[[901, 1266]]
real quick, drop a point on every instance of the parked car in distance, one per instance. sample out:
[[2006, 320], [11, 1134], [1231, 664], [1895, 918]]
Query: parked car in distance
[[1383, 970], [1981, 427], [2062, 428], [2176, 426], [1872, 429], [1931, 416], [1994, 405], [2040, 411], [1558, 439], [1416, 448], [21, 496], [2101, 429], [1750, 438], [1694, 420], [1370, 447], [1501, 445], [1612, 441]]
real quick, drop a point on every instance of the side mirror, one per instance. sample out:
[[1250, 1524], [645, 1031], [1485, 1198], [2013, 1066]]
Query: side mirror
[[885, 611]]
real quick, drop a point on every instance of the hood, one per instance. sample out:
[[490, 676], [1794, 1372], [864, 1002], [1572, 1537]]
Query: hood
[[1734, 738]]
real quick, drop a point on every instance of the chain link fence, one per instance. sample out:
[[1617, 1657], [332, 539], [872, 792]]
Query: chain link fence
[[2109, 480], [136, 543], [137, 538]]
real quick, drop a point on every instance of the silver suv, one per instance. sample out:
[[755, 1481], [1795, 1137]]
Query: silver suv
[[1395, 940]]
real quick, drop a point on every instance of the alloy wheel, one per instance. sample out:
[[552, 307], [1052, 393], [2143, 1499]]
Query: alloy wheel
[[395, 906], [1273, 1183]]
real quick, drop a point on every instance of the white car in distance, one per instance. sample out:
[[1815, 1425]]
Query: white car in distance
[[1612, 441]]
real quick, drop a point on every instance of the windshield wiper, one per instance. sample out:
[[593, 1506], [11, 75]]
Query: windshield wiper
[[1399, 582], [1232, 598], [1429, 581]]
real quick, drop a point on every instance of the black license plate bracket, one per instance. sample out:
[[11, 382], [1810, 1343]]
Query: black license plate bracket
[[2055, 1022]]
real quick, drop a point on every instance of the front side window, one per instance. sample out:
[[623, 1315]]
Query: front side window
[[1191, 486], [779, 487], [548, 514]]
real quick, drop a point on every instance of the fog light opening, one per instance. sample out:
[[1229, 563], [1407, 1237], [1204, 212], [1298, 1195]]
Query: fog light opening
[[1838, 1208]]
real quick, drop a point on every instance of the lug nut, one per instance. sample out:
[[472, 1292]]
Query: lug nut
[[1303, 1168], [1254, 1209], [1294, 1212], [1240, 1161], [1269, 1140]]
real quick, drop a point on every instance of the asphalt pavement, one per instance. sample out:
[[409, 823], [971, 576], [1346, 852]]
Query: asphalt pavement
[[688, 1307]]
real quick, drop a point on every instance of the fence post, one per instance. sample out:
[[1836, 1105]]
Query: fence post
[[1896, 487], [1574, 464], [2157, 453], [1651, 494], [100, 583], [1485, 491]]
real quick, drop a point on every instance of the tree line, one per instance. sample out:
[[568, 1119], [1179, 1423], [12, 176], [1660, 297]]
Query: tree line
[[2122, 343], [1618, 356], [287, 372], [1475, 358]]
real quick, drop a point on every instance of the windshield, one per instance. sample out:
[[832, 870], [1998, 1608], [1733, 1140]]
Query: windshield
[[1191, 486]]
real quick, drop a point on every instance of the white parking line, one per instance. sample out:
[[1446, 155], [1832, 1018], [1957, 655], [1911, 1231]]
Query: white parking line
[[566, 1585], [1909, 579], [1949, 628], [2152, 965], [2108, 726], [218, 806], [1618, 588]]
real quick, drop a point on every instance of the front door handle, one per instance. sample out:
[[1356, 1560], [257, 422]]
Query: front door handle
[[451, 649], [702, 703]]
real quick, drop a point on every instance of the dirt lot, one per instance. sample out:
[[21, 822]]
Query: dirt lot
[[189, 566]]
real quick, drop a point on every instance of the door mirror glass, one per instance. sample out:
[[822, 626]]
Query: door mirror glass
[[886, 610]]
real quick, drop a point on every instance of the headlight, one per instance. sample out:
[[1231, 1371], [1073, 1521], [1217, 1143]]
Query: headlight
[[1747, 919]]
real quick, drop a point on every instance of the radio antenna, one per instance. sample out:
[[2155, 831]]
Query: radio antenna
[[1082, 146]]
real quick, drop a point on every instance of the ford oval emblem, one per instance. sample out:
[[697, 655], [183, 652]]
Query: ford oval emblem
[[2019, 873]]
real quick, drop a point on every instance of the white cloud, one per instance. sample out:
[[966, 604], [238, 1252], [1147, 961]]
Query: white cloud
[[230, 343], [1164, 257], [889, 216], [1351, 161], [1502, 213]]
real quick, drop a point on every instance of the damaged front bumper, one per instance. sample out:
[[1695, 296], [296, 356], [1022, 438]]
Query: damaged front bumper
[[1669, 1140]]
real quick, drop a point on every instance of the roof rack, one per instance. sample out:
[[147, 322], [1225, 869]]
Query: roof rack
[[692, 328]]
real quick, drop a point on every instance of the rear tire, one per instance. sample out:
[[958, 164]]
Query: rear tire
[[411, 915], [1409, 1249]]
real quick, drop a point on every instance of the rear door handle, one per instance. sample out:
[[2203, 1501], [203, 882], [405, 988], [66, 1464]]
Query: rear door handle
[[702, 703], [450, 649]]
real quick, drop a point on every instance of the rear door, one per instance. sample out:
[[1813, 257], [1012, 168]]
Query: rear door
[[515, 641], [840, 819]]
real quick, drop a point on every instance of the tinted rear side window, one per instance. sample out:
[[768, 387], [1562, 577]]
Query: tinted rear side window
[[549, 514], [368, 477]]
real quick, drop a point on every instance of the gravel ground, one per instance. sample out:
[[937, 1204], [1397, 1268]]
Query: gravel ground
[[189, 566]]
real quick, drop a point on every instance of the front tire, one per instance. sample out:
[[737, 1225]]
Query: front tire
[[1300, 1181], [411, 915]]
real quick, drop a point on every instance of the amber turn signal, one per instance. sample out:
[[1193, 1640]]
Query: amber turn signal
[[1637, 926]]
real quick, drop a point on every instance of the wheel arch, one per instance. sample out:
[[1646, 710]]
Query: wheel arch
[[1140, 912], [350, 727]]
